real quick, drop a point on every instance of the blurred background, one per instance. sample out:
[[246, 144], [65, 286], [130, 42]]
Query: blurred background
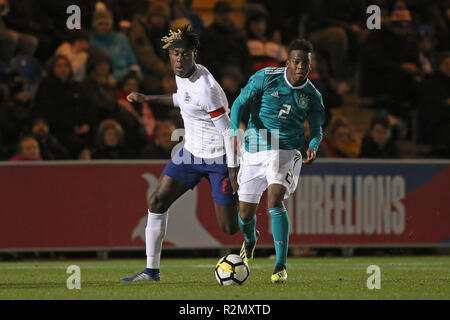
[[386, 90], [63, 92]]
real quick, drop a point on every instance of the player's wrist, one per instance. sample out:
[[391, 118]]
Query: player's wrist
[[233, 169]]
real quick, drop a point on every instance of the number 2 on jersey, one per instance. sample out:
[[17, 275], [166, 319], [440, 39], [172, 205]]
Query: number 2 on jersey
[[285, 109]]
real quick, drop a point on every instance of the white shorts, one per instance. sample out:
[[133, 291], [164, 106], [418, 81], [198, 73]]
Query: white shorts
[[261, 169]]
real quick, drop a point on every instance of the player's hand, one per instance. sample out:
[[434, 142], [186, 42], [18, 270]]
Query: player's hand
[[136, 97], [232, 173], [310, 156]]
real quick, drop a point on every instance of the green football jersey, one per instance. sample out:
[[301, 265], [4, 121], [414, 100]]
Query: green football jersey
[[278, 111]]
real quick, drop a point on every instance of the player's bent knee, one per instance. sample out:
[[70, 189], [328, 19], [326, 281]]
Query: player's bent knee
[[156, 204], [246, 216], [275, 203], [247, 212]]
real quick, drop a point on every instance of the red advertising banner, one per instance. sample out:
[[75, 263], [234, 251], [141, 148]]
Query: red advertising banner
[[92, 205]]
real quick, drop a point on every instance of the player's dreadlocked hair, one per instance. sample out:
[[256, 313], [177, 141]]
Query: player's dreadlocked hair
[[182, 38]]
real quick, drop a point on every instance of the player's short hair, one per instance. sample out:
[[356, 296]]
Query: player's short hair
[[183, 38], [300, 44]]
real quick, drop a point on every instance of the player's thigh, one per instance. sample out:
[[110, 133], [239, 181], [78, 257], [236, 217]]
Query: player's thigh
[[252, 179], [227, 217], [225, 202], [167, 191], [283, 175]]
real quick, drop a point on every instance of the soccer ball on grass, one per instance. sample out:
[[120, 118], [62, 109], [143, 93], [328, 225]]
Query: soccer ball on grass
[[231, 269]]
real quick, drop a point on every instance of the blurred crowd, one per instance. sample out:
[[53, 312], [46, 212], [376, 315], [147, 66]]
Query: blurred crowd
[[63, 92]]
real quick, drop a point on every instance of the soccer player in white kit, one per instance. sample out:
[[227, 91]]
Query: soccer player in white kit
[[206, 153]]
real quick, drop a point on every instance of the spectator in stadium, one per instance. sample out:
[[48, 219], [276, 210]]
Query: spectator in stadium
[[263, 49], [145, 35], [230, 82], [389, 63], [179, 15], [140, 111], [110, 142], [28, 150], [377, 142], [333, 27], [339, 141], [85, 154], [114, 44], [76, 51], [102, 90], [182, 9], [434, 110], [65, 105], [161, 145], [160, 111], [101, 85], [39, 19], [222, 44], [320, 78], [13, 43], [49, 146], [15, 111], [426, 53]]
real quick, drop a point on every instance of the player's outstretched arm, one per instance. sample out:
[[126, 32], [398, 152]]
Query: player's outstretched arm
[[166, 99]]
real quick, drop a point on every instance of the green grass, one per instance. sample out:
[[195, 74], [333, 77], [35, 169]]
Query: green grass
[[309, 278]]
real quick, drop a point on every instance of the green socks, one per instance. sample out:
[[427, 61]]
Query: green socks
[[280, 232], [248, 229]]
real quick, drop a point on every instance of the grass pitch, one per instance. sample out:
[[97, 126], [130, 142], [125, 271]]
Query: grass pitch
[[193, 279]]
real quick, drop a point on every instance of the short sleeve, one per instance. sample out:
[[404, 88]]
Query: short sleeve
[[175, 100], [212, 99]]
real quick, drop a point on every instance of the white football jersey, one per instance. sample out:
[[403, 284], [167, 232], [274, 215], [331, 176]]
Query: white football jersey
[[196, 96]]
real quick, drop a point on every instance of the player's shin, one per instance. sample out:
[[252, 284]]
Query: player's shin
[[154, 235], [280, 232], [248, 228]]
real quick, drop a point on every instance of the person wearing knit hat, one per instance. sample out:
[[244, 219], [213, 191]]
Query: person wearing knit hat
[[103, 21], [400, 22], [114, 44]]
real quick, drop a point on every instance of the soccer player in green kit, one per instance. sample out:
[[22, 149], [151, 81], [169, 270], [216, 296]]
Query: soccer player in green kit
[[280, 100]]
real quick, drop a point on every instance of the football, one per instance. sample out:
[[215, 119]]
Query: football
[[231, 269]]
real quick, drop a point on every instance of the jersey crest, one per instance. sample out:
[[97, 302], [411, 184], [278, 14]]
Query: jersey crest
[[187, 97], [303, 101]]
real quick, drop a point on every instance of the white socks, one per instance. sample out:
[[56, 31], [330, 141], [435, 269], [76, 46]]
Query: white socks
[[154, 235]]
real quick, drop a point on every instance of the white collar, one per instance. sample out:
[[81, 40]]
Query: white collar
[[290, 85]]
